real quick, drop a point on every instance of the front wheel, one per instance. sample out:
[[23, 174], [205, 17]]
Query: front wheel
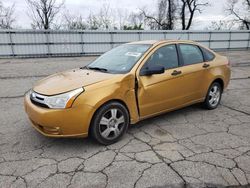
[[109, 123], [213, 96]]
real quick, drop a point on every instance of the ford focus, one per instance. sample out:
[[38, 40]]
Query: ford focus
[[125, 85]]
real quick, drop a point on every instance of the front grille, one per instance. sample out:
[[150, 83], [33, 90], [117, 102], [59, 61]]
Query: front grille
[[38, 99]]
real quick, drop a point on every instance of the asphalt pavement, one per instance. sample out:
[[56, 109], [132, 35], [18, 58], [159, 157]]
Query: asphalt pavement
[[191, 147]]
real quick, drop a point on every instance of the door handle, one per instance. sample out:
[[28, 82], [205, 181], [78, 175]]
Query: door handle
[[175, 72], [205, 65]]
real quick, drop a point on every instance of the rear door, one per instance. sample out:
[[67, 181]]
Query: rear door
[[193, 71], [178, 86]]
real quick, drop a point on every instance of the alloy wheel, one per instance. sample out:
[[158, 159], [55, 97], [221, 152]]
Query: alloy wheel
[[214, 95], [111, 124]]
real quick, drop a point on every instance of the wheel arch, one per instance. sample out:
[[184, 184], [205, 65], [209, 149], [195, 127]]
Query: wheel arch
[[220, 81], [106, 102]]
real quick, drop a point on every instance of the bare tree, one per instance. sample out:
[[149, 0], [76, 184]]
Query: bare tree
[[133, 21], [170, 11], [104, 19], [165, 16], [43, 12], [240, 10], [187, 11], [74, 22], [105, 16], [136, 20], [93, 22], [122, 18], [221, 25], [7, 16]]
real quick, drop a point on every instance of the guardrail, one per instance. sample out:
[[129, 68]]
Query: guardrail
[[40, 43]]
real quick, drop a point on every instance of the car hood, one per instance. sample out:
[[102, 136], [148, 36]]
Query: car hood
[[69, 80]]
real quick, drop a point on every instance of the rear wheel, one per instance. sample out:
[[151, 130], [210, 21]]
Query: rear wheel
[[213, 96], [110, 122]]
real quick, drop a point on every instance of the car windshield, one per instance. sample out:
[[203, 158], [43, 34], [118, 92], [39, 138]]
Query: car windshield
[[120, 59]]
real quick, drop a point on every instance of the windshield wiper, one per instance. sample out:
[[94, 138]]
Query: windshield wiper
[[85, 67], [98, 68]]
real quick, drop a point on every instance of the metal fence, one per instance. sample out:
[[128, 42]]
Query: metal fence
[[38, 43]]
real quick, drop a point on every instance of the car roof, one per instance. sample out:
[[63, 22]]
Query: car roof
[[156, 42]]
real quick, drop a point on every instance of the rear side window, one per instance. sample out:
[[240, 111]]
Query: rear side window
[[191, 54], [165, 56], [208, 56]]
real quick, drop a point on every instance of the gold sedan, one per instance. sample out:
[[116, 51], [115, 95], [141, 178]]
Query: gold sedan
[[129, 83]]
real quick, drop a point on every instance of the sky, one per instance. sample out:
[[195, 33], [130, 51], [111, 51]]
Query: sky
[[214, 12]]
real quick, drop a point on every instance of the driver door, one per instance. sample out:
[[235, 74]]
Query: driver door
[[161, 92]]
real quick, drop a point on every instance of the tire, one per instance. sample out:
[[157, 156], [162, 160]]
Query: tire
[[109, 123], [213, 96]]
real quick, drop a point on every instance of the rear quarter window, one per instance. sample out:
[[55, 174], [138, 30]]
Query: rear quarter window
[[208, 56]]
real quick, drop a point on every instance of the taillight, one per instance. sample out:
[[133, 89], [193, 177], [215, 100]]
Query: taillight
[[228, 63]]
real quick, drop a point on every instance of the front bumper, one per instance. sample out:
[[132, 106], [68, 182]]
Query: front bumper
[[71, 122]]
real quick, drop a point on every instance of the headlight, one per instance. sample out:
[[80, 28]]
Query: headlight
[[64, 100]]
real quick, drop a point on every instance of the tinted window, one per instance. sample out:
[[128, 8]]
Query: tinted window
[[191, 54], [165, 56], [208, 56]]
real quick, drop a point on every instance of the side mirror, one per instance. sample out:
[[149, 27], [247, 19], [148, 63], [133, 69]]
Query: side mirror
[[150, 70]]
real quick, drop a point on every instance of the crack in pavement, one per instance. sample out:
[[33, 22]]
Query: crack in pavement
[[22, 77], [240, 78], [232, 108], [12, 97], [203, 144]]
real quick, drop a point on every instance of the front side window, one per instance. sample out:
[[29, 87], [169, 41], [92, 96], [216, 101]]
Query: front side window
[[191, 54], [120, 59], [165, 56]]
